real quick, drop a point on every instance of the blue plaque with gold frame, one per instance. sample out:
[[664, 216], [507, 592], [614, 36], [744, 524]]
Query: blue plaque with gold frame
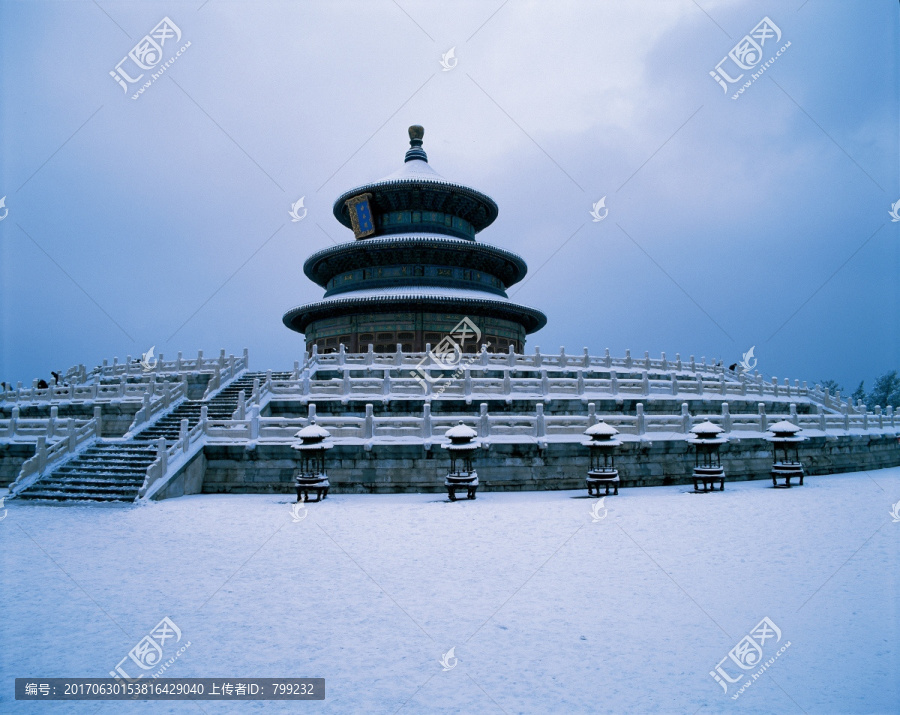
[[361, 218]]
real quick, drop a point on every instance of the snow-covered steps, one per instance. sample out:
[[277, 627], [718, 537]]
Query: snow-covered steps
[[103, 472], [220, 407], [115, 471]]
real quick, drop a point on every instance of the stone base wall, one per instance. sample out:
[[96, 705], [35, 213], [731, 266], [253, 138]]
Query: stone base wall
[[513, 467], [12, 456]]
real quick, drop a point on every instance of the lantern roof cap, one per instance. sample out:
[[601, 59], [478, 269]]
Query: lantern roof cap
[[706, 429], [601, 431], [784, 427], [460, 431], [313, 432]]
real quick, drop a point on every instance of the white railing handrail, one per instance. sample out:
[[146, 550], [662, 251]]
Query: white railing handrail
[[173, 394], [536, 424], [47, 458], [170, 458], [159, 365]]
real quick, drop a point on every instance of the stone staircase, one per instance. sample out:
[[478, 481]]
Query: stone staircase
[[114, 471]]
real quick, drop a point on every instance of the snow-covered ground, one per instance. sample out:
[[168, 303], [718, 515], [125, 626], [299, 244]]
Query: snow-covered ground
[[547, 608]]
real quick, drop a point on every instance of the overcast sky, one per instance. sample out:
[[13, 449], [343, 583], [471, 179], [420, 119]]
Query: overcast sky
[[164, 220]]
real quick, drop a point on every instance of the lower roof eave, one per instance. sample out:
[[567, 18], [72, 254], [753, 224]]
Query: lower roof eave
[[299, 318]]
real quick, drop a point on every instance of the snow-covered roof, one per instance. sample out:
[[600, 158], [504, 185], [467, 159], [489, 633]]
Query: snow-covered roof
[[420, 291], [706, 429], [784, 427], [601, 431], [460, 431]]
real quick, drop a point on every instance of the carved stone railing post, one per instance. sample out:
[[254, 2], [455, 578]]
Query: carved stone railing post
[[254, 421], [183, 435], [726, 417], [484, 422], [592, 414], [685, 418], [98, 421], [162, 454], [641, 421], [540, 428], [613, 382], [426, 421], [763, 419], [369, 427]]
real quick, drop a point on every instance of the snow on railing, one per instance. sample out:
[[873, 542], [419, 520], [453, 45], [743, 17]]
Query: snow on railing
[[673, 376], [170, 459], [133, 366], [426, 426], [46, 458], [170, 395], [96, 392], [225, 372], [30, 428], [472, 384]]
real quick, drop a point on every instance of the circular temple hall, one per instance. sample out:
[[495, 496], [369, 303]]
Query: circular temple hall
[[414, 272]]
